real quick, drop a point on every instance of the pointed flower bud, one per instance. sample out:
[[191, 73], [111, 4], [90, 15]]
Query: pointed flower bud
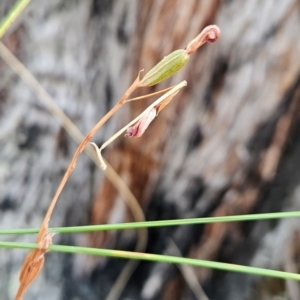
[[166, 68], [173, 62]]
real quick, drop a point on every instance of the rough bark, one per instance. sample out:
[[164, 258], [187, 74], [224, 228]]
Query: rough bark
[[227, 144]]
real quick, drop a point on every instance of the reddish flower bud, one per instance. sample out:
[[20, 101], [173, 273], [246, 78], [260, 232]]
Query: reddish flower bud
[[142, 124]]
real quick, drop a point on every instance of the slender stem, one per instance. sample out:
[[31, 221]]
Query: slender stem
[[142, 233], [12, 15], [44, 226], [150, 95], [149, 224], [158, 258]]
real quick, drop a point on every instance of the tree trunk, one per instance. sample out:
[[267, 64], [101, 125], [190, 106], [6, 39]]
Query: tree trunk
[[227, 144]]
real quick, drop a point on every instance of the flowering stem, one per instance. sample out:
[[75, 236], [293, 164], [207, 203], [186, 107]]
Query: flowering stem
[[171, 92], [35, 259], [82, 145]]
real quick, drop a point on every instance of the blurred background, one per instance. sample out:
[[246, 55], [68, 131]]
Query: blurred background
[[229, 143]]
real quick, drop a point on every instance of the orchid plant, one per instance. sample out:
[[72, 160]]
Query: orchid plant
[[166, 68]]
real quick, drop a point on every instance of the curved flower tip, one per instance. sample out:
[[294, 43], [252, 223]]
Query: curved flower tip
[[209, 34], [212, 33], [142, 124]]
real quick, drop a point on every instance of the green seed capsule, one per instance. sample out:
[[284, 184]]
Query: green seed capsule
[[165, 68]]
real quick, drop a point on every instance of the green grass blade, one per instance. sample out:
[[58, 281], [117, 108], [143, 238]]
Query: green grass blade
[[12, 15], [158, 258], [148, 224]]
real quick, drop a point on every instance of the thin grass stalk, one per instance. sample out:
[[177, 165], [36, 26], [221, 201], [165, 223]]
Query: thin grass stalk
[[149, 224], [158, 258], [12, 15]]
